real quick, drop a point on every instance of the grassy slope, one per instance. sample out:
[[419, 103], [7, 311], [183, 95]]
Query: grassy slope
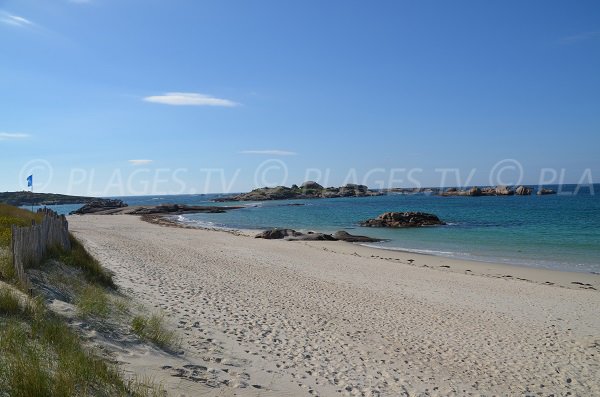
[[39, 353]]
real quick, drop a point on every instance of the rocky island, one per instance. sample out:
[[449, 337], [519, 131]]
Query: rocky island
[[308, 190], [403, 219]]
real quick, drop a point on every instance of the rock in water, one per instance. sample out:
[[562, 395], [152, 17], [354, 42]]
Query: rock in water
[[523, 191], [403, 219], [543, 192], [345, 236], [503, 191]]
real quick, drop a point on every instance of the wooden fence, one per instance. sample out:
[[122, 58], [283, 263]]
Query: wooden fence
[[30, 244]]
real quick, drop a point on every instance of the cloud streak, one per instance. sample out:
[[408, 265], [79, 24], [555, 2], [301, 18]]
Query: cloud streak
[[15, 20], [139, 162], [7, 136], [189, 99], [269, 152]]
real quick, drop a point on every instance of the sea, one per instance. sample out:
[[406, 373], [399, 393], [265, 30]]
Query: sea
[[560, 231]]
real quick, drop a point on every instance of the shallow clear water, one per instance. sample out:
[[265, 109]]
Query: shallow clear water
[[558, 231]]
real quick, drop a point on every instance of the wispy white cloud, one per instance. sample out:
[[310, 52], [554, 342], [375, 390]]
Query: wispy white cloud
[[139, 162], [270, 152], [189, 99], [580, 37], [15, 20], [8, 136]]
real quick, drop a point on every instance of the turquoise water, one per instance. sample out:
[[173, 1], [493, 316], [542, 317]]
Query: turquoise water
[[558, 232]]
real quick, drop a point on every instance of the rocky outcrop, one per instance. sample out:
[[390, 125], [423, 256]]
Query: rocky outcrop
[[486, 191], [311, 185], [403, 219], [543, 192], [523, 191], [276, 234], [308, 190], [292, 235], [312, 237], [345, 236], [99, 205], [503, 191]]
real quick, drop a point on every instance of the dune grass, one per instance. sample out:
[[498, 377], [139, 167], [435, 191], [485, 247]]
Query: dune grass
[[39, 354], [79, 258], [9, 216], [93, 301], [42, 356], [153, 329]]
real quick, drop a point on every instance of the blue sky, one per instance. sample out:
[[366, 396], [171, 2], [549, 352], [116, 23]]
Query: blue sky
[[344, 87]]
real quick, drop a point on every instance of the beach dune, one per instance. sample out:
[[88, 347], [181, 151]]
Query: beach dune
[[333, 318]]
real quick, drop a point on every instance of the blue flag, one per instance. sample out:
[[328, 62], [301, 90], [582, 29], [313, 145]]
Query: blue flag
[[30, 181]]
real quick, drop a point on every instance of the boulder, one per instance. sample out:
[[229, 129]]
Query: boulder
[[345, 236], [523, 191], [403, 219], [543, 192], [475, 191], [311, 237], [311, 185], [503, 191], [276, 234]]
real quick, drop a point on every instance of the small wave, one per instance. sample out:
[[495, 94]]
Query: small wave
[[416, 251]]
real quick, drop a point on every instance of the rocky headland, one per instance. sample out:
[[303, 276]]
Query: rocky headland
[[117, 207], [308, 190], [23, 198]]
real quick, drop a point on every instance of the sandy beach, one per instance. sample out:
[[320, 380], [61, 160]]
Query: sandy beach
[[276, 318]]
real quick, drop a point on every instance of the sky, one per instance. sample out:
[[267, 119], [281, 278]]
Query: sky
[[131, 97]]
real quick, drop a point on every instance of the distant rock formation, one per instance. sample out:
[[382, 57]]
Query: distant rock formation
[[99, 205], [29, 198], [488, 191], [543, 192], [523, 191], [117, 207], [403, 219], [292, 235], [308, 190]]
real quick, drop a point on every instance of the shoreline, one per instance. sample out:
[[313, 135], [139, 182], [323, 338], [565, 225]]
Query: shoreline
[[540, 275]]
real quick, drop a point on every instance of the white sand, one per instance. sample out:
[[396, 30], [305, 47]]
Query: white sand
[[297, 318]]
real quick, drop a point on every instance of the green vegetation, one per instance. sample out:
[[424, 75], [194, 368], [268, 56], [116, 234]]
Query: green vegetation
[[93, 301], [40, 355], [79, 258], [9, 216], [153, 329], [9, 303]]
